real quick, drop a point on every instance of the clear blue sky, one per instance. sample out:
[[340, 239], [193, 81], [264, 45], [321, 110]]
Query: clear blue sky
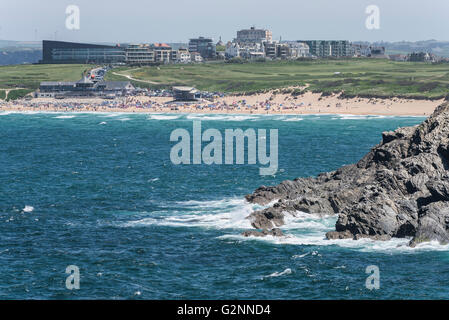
[[179, 20]]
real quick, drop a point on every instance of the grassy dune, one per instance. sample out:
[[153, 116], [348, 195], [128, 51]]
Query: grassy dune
[[29, 76], [365, 77], [354, 77]]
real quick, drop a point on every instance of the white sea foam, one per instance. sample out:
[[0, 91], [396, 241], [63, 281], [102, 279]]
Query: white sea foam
[[65, 117], [299, 256], [28, 209], [112, 115], [360, 117], [229, 213], [103, 122], [163, 117], [278, 274], [221, 117], [124, 119], [364, 245], [300, 228], [293, 119]]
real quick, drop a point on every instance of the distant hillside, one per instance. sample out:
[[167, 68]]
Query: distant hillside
[[439, 48], [8, 57], [20, 44], [19, 52]]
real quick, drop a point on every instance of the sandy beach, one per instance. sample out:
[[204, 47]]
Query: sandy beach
[[266, 103]]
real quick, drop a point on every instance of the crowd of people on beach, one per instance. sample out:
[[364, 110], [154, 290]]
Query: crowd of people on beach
[[264, 103], [158, 101]]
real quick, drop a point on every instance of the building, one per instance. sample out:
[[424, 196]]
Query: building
[[71, 52], [377, 51], [232, 50], [84, 88], [360, 50], [271, 50], [253, 35], [196, 57], [186, 94], [204, 46], [319, 48], [275, 50], [251, 50], [283, 51], [140, 54], [163, 52], [298, 49], [157, 53], [220, 43], [181, 55], [398, 57], [421, 57], [341, 48], [334, 48]]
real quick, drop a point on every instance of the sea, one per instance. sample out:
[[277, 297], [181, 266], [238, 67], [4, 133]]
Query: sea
[[96, 197]]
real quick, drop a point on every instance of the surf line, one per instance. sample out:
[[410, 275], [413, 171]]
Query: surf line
[[212, 153]]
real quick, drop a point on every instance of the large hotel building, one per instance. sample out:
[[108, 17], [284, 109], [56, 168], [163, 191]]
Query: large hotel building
[[70, 52], [253, 35]]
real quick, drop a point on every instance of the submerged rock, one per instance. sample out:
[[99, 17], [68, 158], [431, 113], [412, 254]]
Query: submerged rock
[[399, 189]]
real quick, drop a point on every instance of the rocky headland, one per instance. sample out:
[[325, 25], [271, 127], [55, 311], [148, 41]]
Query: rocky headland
[[399, 189]]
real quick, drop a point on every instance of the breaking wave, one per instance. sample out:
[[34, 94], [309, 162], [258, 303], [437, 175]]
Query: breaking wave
[[163, 117], [300, 229], [219, 214], [65, 117], [278, 274]]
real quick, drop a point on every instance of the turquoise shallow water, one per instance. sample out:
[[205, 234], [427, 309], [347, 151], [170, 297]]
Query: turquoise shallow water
[[99, 191]]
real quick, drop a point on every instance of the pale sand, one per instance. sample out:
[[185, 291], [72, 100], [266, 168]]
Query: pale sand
[[308, 103]]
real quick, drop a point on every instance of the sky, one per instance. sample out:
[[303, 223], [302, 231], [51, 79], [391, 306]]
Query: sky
[[134, 21]]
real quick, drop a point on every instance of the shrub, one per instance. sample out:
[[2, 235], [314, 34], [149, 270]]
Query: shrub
[[18, 94]]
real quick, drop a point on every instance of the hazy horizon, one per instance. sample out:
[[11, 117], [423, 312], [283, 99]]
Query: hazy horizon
[[150, 21]]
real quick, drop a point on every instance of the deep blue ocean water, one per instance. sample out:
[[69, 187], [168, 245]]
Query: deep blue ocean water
[[99, 191]]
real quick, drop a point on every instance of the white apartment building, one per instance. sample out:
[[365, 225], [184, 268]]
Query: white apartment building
[[139, 54]]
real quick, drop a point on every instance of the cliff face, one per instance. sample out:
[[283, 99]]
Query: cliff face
[[399, 189]]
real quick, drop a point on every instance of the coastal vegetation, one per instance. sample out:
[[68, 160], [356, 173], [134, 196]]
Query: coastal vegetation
[[29, 76], [18, 94], [366, 78], [353, 77]]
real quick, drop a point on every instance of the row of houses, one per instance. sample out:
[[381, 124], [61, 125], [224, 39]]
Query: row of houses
[[249, 43], [270, 50], [147, 54], [255, 43]]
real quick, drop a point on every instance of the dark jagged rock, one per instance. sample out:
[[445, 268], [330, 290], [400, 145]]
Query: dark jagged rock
[[399, 189], [254, 233]]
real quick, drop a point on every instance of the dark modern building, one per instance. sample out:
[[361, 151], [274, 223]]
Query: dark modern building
[[204, 46], [71, 52], [84, 88]]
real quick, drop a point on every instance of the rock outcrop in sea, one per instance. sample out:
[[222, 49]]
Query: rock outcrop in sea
[[399, 189]]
